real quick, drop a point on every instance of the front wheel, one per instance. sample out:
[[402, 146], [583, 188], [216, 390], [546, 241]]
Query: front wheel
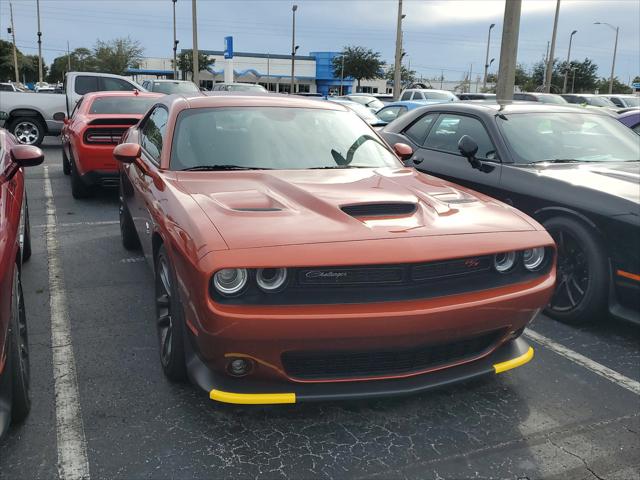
[[582, 281], [20, 375], [28, 130], [169, 319]]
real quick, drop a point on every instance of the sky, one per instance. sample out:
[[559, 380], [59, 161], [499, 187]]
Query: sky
[[440, 36]]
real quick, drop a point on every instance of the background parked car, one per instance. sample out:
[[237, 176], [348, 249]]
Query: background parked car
[[624, 101], [393, 110], [31, 115], [15, 248], [476, 96], [540, 97], [360, 110], [574, 170], [372, 103], [589, 99], [428, 94], [169, 87], [238, 87], [631, 119], [10, 87]]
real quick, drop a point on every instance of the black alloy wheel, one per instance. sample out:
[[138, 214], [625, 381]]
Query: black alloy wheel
[[21, 374], [582, 276], [28, 130], [169, 320]]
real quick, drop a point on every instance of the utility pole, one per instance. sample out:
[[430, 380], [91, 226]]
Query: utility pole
[[441, 78], [486, 59], [508, 50], [544, 70], [549, 74], [397, 66], [470, 76], [342, 76], [568, 66], [573, 82], [194, 52], [293, 49], [15, 54], [175, 43], [68, 58], [39, 43]]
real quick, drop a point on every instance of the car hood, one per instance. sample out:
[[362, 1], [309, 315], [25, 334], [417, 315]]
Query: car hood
[[288, 207], [616, 179]]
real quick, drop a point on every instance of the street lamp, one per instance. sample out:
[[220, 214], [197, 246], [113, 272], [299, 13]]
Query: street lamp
[[615, 49], [293, 46], [567, 67], [573, 82], [175, 43], [486, 58]]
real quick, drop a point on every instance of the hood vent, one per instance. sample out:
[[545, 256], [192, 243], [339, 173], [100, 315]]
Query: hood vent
[[379, 209]]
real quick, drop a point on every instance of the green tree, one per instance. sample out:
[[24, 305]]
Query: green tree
[[636, 79], [82, 60], [360, 63], [185, 61], [116, 56], [6, 61], [28, 65], [407, 77], [618, 86], [586, 72]]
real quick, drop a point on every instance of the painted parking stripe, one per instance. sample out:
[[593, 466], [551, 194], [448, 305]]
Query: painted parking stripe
[[79, 224], [595, 367], [73, 463]]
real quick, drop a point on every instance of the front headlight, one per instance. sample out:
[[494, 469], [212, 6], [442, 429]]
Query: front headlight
[[271, 279], [230, 281], [504, 262], [533, 258]]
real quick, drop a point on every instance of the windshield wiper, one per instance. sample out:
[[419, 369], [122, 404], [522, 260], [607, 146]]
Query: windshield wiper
[[560, 160], [211, 168], [337, 167]]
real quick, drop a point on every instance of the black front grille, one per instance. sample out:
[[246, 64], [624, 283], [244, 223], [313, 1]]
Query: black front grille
[[379, 209], [337, 365]]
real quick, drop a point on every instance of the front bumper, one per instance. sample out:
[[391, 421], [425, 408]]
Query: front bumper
[[224, 389]]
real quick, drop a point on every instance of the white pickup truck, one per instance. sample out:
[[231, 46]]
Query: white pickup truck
[[30, 116]]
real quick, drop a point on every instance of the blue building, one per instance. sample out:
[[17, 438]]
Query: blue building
[[326, 81]]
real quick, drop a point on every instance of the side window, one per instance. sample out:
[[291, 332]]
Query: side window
[[418, 96], [388, 114], [115, 84], [153, 132], [406, 96], [85, 84], [76, 108], [417, 132], [448, 130]]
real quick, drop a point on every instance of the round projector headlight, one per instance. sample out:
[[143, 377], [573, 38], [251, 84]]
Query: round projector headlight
[[230, 281], [533, 258], [503, 262], [271, 279]]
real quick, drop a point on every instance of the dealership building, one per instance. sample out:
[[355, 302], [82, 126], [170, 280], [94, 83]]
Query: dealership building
[[313, 73]]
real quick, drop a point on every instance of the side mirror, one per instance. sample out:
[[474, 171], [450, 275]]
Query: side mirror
[[468, 148], [59, 116], [127, 152], [403, 151], [26, 155]]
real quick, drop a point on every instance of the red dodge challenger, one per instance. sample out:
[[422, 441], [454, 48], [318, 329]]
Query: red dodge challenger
[[15, 247], [297, 259], [95, 127]]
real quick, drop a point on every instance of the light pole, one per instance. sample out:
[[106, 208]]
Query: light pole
[[567, 66], [615, 49], [15, 55], [194, 51], [397, 66], [175, 43], [549, 72], [39, 43], [293, 47], [342, 75], [508, 50], [573, 82], [486, 58]]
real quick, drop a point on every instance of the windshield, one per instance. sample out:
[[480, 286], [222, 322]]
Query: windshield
[[174, 87], [438, 95], [129, 105], [599, 102], [556, 99], [276, 138], [539, 137], [246, 87]]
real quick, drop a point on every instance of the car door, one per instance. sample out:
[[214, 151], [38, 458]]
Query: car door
[[437, 136], [146, 206]]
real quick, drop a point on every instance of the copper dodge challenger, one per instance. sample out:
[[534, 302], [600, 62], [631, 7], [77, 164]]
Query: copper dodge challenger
[[297, 259]]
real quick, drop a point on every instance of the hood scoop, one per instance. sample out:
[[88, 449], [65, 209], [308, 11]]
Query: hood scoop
[[379, 209]]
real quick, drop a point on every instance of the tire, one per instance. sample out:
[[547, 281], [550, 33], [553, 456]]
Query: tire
[[130, 240], [26, 243], [582, 284], [79, 189], [19, 351], [169, 319], [28, 130], [66, 166]]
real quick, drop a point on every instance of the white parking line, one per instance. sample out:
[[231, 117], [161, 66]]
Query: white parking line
[[79, 224], [73, 462], [595, 367]]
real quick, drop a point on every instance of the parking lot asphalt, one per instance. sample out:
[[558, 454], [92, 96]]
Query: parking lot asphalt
[[556, 417]]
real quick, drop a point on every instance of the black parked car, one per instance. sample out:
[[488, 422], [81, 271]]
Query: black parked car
[[575, 171]]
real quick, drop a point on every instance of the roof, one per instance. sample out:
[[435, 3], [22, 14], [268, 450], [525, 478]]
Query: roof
[[247, 99], [166, 80], [511, 107], [131, 93]]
